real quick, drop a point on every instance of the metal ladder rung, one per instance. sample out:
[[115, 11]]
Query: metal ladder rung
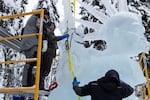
[[20, 89], [34, 89], [17, 61]]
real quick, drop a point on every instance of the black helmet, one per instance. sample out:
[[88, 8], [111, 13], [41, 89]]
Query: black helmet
[[112, 74]]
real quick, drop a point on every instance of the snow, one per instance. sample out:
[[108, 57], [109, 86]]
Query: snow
[[91, 24], [32, 4], [123, 5], [96, 13], [123, 33], [111, 10], [2, 66]]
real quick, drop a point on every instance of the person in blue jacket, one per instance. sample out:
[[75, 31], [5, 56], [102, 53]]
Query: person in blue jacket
[[109, 87]]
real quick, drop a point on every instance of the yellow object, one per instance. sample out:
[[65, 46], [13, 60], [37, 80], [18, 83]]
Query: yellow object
[[144, 68], [70, 62], [69, 59], [67, 42], [37, 60], [74, 13]]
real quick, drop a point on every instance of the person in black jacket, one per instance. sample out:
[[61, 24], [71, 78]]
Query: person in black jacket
[[50, 52], [109, 87]]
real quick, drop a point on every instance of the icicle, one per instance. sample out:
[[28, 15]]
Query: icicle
[[92, 36], [110, 9], [69, 19], [94, 25], [102, 17], [123, 5]]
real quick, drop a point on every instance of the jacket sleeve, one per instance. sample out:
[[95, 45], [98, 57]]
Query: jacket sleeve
[[126, 90], [52, 37], [83, 91]]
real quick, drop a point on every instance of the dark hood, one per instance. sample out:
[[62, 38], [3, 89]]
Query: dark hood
[[113, 74], [107, 84]]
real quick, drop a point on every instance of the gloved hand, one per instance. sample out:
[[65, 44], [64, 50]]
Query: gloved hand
[[64, 36], [44, 48], [75, 82]]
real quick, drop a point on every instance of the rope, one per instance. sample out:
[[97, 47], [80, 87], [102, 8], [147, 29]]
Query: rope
[[70, 62], [69, 59], [74, 13], [67, 44]]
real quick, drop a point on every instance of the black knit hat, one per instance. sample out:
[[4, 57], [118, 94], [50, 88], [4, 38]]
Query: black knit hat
[[46, 12], [112, 74]]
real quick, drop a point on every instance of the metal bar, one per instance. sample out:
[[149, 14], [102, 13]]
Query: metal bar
[[142, 55], [5, 33], [20, 89], [38, 67], [147, 76], [16, 61], [22, 36], [145, 70], [38, 60], [22, 14], [11, 45], [39, 56]]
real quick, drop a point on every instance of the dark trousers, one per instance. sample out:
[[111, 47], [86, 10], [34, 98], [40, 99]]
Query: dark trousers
[[28, 77], [46, 61]]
